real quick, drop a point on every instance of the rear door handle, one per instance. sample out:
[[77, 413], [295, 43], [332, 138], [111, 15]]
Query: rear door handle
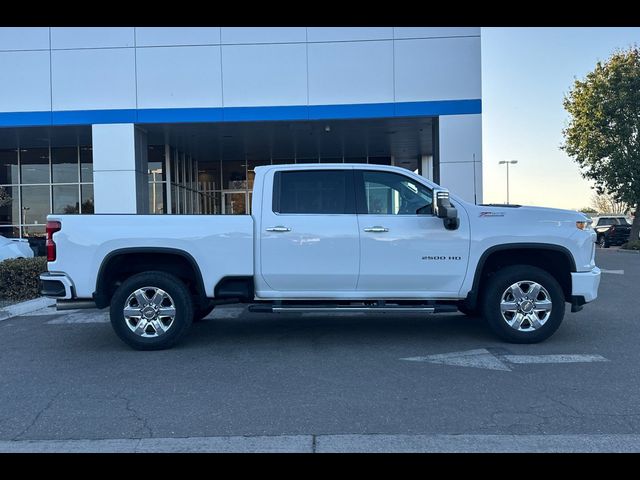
[[376, 229], [279, 228]]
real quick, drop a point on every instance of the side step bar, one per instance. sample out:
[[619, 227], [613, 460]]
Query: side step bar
[[267, 308]]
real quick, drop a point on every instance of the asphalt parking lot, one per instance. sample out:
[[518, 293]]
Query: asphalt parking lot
[[244, 382]]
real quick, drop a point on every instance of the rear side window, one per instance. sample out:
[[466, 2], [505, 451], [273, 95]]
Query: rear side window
[[314, 192]]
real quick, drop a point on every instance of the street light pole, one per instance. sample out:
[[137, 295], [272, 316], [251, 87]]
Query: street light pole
[[507, 162]]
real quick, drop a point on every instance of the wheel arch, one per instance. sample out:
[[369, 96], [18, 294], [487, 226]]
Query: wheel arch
[[171, 260], [520, 253]]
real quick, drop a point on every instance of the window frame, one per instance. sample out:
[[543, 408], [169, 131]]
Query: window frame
[[350, 200], [361, 196]]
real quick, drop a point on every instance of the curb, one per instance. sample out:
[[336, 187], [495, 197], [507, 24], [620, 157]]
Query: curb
[[621, 250], [25, 307]]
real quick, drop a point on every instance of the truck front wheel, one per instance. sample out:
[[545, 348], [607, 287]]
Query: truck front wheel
[[151, 311], [523, 304]]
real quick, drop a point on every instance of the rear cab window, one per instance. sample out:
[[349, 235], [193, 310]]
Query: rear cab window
[[319, 192]]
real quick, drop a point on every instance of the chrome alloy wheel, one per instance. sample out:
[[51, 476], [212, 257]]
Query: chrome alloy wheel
[[525, 306], [149, 312]]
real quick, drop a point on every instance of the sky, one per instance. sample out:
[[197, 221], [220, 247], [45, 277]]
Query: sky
[[526, 72]]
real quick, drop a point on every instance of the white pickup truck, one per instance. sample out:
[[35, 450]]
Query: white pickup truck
[[327, 237]]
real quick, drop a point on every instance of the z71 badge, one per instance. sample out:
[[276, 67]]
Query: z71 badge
[[492, 214]]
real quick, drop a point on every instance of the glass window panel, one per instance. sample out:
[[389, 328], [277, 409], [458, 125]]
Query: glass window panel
[[234, 175], [408, 163], [35, 204], [65, 199], [64, 164], [9, 206], [10, 231], [235, 203], [283, 161], [8, 166], [380, 160], [393, 194], [31, 231], [251, 164], [315, 191], [210, 203], [86, 164], [34, 165], [87, 199], [156, 163], [331, 160], [209, 175], [355, 160], [179, 178], [174, 199], [157, 198], [188, 171]]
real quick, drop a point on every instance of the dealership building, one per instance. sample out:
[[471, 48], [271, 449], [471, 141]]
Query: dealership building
[[168, 120]]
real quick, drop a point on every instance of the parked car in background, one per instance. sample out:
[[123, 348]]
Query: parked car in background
[[611, 230], [14, 248]]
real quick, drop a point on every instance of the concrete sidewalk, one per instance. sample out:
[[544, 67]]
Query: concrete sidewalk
[[340, 444]]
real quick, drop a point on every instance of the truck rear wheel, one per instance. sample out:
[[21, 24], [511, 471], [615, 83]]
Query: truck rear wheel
[[523, 304], [151, 311]]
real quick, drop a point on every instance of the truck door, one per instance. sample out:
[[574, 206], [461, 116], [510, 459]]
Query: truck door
[[309, 231], [404, 248]]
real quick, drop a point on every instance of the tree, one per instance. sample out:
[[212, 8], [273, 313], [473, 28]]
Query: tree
[[603, 134], [589, 210], [606, 203]]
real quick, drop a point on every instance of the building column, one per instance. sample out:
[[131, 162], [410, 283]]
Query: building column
[[460, 155], [120, 181], [426, 162]]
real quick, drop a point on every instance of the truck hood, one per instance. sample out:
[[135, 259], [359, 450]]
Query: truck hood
[[528, 213]]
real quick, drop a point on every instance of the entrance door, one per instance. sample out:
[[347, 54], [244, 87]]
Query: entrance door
[[309, 240], [404, 248]]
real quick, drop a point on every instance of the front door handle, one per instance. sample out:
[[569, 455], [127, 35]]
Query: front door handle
[[376, 229], [279, 228]]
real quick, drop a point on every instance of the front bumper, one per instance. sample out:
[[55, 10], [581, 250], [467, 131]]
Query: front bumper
[[56, 285], [585, 284]]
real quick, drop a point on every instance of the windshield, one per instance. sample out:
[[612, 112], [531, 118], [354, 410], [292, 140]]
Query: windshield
[[613, 221]]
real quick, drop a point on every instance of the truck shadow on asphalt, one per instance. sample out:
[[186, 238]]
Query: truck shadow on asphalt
[[345, 329]]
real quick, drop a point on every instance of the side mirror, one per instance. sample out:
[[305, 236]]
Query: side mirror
[[443, 209]]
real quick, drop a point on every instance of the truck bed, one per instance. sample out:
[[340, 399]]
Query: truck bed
[[218, 243]]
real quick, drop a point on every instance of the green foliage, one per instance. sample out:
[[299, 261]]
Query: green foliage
[[603, 135], [19, 278], [588, 210], [632, 245]]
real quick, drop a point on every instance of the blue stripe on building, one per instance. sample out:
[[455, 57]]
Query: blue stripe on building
[[243, 114]]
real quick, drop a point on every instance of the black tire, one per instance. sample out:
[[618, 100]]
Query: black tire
[[496, 286], [200, 313], [179, 296], [602, 242]]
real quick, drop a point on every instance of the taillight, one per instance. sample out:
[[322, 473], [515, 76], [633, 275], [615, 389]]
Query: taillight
[[52, 227]]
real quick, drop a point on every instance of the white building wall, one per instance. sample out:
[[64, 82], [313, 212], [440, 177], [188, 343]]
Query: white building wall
[[135, 69], [111, 68]]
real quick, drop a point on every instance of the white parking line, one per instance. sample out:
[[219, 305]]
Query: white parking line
[[615, 272]]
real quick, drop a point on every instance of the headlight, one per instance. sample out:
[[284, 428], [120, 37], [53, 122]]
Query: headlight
[[584, 224]]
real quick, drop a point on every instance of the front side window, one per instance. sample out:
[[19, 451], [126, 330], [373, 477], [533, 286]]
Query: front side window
[[387, 193], [314, 192]]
